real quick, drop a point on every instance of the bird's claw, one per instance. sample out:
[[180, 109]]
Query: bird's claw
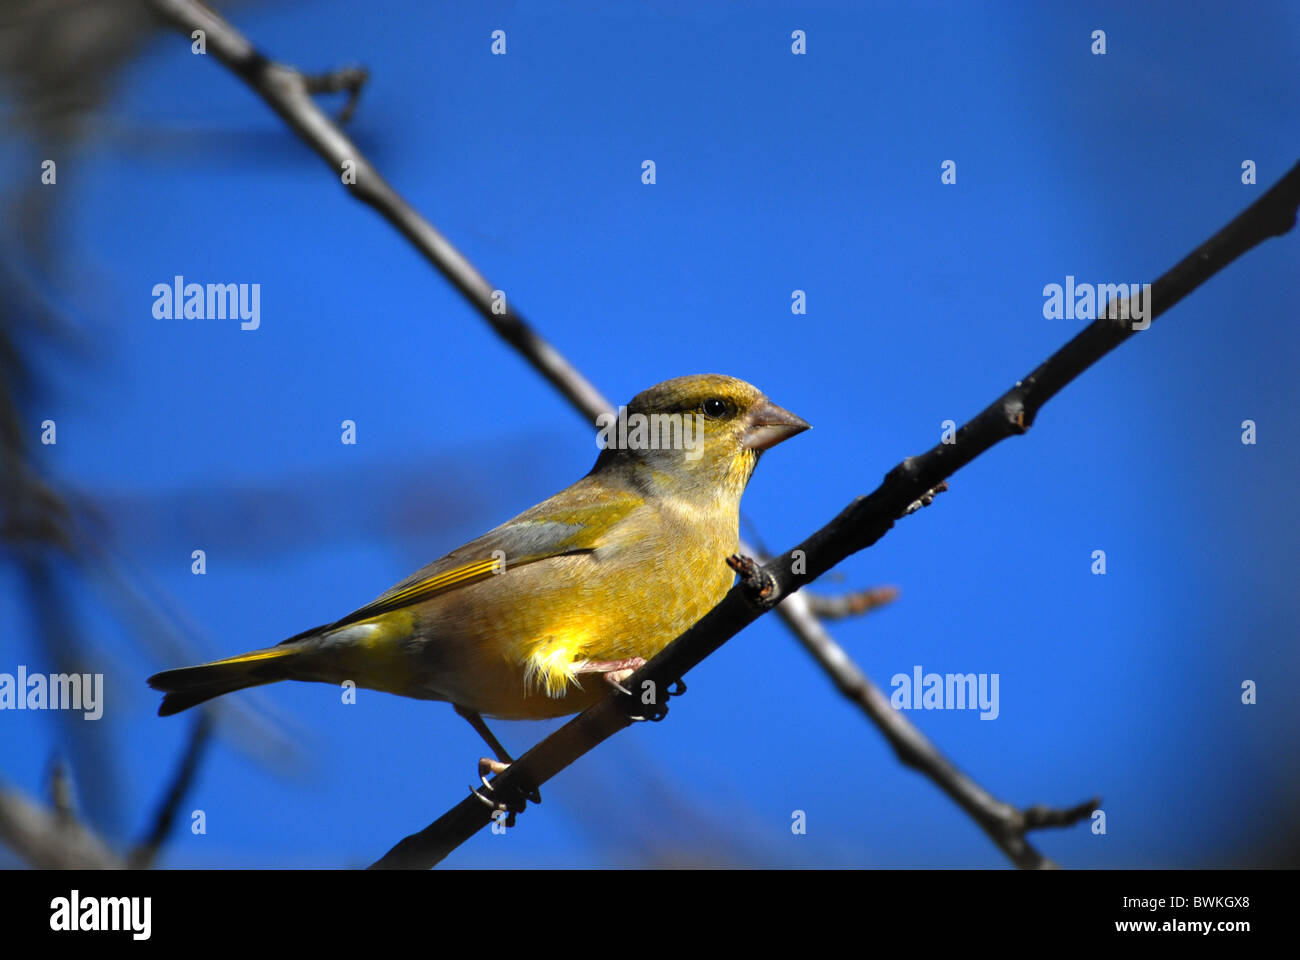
[[511, 807], [659, 709], [657, 713], [615, 679], [494, 805], [486, 766]]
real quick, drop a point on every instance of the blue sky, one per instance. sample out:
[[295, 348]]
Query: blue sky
[[775, 172]]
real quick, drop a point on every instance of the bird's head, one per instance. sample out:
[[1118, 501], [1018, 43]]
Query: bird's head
[[695, 437]]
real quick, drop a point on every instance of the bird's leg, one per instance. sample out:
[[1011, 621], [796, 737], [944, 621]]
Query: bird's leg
[[614, 672], [503, 760]]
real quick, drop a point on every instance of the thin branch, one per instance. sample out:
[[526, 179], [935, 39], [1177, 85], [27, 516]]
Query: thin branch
[[289, 93], [841, 606], [62, 801], [143, 856], [348, 80], [1005, 824], [858, 526]]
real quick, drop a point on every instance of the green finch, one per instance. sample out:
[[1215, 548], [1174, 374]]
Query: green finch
[[585, 586]]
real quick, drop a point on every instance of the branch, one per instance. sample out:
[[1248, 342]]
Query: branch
[[55, 839], [1005, 824], [289, 93], [841, 606], [858, 526], [346, 79], [50, 839], [143, 856]]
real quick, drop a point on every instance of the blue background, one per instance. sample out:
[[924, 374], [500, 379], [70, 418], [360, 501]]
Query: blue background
[[775, 172]]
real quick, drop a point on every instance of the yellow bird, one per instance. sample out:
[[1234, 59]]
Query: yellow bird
[[588, 584]]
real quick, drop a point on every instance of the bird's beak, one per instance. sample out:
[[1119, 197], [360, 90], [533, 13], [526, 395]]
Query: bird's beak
[[769, 425]]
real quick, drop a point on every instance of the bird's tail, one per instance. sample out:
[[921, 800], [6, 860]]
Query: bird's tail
[[189, 686]]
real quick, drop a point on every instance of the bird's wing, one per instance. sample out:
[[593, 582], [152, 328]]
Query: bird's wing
[[574, 521]]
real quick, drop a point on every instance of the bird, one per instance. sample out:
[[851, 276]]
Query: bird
[[585, 586]]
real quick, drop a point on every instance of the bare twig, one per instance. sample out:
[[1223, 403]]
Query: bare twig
[[345, 79], [841, 606]]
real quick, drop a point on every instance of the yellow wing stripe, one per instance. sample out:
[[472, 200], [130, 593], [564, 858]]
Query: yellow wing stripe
[[470, 573], [436, 584]]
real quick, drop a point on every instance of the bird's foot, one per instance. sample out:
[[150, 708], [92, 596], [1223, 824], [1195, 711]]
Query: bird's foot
[[512, 802], [486, 766]]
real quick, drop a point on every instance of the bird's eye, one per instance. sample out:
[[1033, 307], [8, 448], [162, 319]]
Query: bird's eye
[[715, 408]]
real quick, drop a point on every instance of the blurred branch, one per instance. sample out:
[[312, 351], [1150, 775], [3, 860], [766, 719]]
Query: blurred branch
[[169, 636], [50, 839], [55, 838], [345, 79], [61, 793], [143, 856], [59, 60], [909, 486], [854, 604]]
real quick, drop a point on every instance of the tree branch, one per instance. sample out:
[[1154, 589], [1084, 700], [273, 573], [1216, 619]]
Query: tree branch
[[289, 93], [841, 606], [50, 839]]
